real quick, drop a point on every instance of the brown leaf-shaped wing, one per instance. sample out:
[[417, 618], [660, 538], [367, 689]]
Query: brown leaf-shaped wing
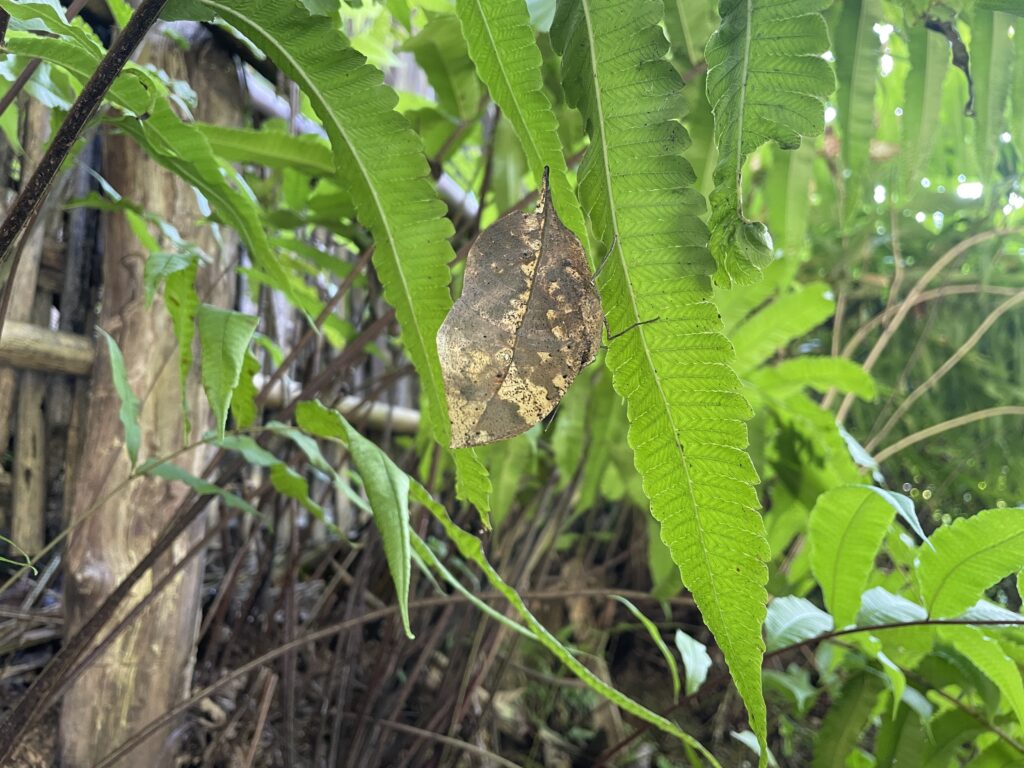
[[529, 319]]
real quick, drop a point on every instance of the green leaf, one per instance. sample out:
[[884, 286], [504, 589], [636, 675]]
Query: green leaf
[[388, 178], [922, 103], [185, 10], [120, 10], [509, 463], [387, 488], [766, 82], [182, 304], [987, 655], [160, 266], [168, 471], [968, 557], [305, 153], [689, 25], [683, 402], [471, 550], [605, 428], [902, 740], [845, 533], [293, 485], [243, 398], [787, 318], [787, 190], [655, 635], [792, 620], [696, 661], [820, 373], [501, 44], [1006, 6], [176, 145], [840, 730], [130, 406], [857, 51], [441, 53], [879, 606], [991, 51], [224, 337]]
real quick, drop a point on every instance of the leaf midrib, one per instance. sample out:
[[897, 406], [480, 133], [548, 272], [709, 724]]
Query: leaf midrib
[[742, 104], [713, 606], [504, 75], [955, 567], [228, 12]]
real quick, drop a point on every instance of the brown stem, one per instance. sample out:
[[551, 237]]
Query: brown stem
[[904, 306], [34, 192]]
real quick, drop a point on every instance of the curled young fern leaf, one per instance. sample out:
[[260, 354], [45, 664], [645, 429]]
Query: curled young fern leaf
[[684, 405], [381, 158], [766, 82]]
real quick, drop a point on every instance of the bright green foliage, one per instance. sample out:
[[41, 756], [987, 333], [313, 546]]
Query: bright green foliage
[[387, 488], [766, 82], [985, 653], [441, 52], [857, 52], [969, 556], [683, 402], [792, 620], [501, 43], [130, 406], [274, 149], [243, 399], [224, 338], [789, 317], [846, 529], [688, 25], [922, 105], [845, 720], [821, 373], [290, 483], [991, 53], [168, 470], [394, 198]]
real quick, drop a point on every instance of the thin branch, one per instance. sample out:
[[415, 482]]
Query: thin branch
[[897, 257], [945, 426], [904, 306], [935, 293], [31, 197], [945, 368]]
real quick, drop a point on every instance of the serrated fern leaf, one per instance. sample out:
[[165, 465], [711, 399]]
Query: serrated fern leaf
[[846, 530], [381, 158], [784, 320], [683, 402], [766, 82], [968, 557], [857, 50], [501, 44]]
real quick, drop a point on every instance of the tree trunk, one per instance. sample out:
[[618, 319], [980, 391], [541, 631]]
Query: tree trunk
[[148, 667]]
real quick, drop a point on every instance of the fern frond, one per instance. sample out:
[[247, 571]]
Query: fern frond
[[501, 44], [382, 160], [766, 82], [684, 406]]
